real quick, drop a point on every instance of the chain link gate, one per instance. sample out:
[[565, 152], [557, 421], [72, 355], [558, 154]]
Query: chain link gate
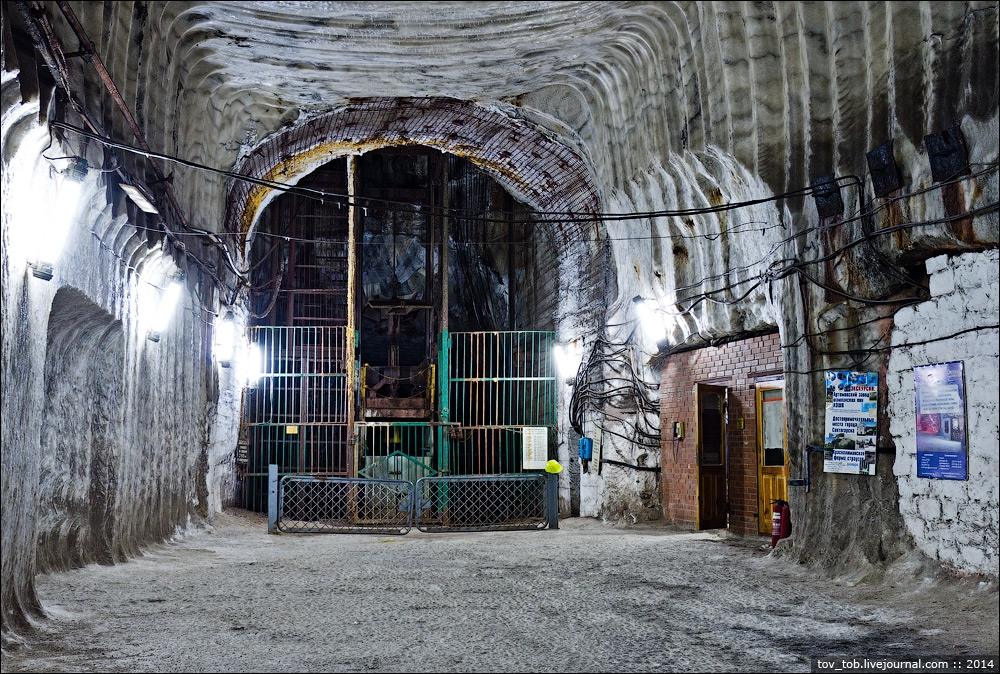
[[308, 504], [481, 503]]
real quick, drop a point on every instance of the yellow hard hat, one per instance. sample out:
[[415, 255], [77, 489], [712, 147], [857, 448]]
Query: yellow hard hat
[[553, 466]]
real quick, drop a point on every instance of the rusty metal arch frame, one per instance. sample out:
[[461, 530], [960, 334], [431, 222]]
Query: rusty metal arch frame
[[538, 170]]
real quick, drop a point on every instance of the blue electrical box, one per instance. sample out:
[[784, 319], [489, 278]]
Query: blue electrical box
[[586, 449]]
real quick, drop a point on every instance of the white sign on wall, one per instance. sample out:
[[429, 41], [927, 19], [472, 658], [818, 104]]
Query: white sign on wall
[[534, 447]]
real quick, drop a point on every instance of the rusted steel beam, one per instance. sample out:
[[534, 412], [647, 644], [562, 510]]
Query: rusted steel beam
[[87, 46]]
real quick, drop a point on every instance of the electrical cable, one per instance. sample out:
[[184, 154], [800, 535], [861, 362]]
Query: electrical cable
[[796, 267], [612, 462], [542, 217], [871, 353]]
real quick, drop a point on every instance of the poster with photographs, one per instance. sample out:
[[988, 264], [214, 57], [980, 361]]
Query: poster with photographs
[[942, 451], [851, 420]]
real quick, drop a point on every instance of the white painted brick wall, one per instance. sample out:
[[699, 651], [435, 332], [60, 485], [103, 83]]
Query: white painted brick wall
[[955, 522]]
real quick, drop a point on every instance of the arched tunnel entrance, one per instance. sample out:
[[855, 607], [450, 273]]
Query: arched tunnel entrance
[[405, 326], [81, 461]]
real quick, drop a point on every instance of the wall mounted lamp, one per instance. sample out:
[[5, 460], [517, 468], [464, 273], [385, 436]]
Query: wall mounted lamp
[[568, 358], [652, 319], [164, 310], [225, 340], [69, 184]]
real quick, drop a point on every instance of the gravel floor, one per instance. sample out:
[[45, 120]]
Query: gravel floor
[[586, 597]]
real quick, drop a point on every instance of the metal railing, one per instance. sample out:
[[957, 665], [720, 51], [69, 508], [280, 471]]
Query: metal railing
[[311, 504], [481, 503]]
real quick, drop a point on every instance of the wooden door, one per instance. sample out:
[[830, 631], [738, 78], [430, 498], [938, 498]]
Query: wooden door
[[772, 454], [711, 447]]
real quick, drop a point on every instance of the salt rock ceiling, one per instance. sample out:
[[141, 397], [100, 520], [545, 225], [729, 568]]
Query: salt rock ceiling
[[791, 91]]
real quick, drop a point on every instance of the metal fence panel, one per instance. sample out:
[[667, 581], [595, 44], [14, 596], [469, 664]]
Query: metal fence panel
[[480, 503], [503, 378], [295, 415], [309, 504], [498, 384], [485, 450]]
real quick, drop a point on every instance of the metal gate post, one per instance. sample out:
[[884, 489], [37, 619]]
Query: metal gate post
[[552, 500], [272, 498]]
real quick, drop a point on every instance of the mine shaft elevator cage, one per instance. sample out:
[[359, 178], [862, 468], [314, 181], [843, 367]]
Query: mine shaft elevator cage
[[296, 415], [362, 379]]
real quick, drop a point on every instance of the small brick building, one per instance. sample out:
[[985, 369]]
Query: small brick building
[[743, 374]]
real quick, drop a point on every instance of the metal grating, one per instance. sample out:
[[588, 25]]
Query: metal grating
[[947, 154], [480, 503], [308, 504], [883, 170], [295, 415], [484, 450], [503, 378], [826, 192], [499, 383]]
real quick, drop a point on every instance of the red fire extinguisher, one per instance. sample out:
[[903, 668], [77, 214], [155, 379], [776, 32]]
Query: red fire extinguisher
[[781, 521]]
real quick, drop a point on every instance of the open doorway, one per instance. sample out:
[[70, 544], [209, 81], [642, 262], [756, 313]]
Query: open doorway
[[405, 325]]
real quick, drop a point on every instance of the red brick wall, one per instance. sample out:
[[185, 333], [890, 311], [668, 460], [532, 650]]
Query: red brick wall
[[738, 365]]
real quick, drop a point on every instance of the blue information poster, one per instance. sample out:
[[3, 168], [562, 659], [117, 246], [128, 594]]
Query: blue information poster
[[851, 422], [942, 452]]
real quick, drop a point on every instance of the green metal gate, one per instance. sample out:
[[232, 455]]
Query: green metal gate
[[498, 389], [499, 383]]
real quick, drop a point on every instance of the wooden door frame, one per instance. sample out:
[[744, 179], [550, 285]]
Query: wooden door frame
[[698, 386], [772, 385]]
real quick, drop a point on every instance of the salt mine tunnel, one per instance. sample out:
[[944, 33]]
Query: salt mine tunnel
[[667, 245]]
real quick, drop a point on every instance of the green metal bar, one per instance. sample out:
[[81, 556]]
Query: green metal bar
[[444, 408]]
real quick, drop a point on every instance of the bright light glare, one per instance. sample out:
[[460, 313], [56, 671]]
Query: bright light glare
[[653, 320], [253, 364], [225, 340], [165, 309], [52, 238], [568, 358]]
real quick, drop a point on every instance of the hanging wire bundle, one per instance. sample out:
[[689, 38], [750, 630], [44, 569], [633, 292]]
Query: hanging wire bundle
[[609, 388]]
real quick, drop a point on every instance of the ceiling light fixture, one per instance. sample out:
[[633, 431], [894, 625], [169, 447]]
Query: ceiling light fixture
[[140, 196]]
